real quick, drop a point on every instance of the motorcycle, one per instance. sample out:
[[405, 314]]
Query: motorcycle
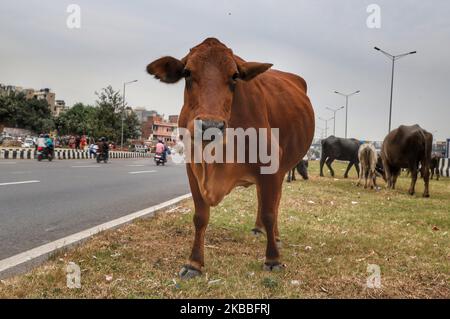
[[159, 159], [44, 153], [101, 156]]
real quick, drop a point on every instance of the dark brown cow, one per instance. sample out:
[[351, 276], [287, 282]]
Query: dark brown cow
[[434, 165], [406, 147], [224, 91]]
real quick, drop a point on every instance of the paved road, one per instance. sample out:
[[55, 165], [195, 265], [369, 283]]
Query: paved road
[[64, 197]]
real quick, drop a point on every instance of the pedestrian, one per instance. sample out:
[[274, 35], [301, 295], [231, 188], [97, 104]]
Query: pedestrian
[[77, 142], [83, 142]]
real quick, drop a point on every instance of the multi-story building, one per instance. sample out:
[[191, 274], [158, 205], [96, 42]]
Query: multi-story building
[[142, 114], [42, 94], [46, 94], [60, 107], [158, 128]]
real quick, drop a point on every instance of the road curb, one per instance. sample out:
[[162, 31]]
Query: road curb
[[25, 261], [63, 154]]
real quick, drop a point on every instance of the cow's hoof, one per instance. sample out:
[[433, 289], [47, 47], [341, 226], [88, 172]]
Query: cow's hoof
[[189, 272], [257, 232], [411, 193], [274, 266], [426, 195]]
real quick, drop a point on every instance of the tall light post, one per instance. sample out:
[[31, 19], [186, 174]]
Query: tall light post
[[123, 108], [326, 125], [321, 131], [334, 116], [346, 106], [393, 58]]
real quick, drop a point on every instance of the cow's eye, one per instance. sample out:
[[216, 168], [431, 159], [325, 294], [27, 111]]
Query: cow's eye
[[187, 73], [235, 76]]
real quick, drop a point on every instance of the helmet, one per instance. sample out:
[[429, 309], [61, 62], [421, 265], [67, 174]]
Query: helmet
[[103, 139]]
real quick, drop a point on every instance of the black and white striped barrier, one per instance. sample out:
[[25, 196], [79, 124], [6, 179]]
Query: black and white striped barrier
[[444, 167], [16, 153], [62, 154]]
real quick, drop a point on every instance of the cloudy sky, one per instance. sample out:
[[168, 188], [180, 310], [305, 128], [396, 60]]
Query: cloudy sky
[[325, 41]]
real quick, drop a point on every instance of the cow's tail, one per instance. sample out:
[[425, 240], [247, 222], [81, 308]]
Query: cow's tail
[[366, 158], [428, 146]]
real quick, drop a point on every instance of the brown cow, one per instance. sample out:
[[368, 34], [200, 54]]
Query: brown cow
[[406, 147], [224, 91]]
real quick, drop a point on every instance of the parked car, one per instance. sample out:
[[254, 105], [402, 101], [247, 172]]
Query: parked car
[[28, 143], [5, 138], [139, 148]]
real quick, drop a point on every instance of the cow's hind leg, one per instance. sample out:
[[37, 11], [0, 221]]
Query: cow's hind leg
[[426, 179], [259, 227], [322, 162], [414, 174], [270, 186], [394, 176], [360, 176], [329, 162]]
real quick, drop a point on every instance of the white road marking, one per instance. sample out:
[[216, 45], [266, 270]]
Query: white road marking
[[140, 165], [141, 172], [87, 166], [46, 249], [18, 183]]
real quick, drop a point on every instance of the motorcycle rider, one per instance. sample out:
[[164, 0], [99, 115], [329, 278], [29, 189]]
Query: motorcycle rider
[[103, 148], [161, 149], [41, 141], [49, 144]]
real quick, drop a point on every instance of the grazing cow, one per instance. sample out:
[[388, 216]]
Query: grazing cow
[[302, 169], [224, 91], [337, 148], [407, 147], [434, 165], [367, 156]]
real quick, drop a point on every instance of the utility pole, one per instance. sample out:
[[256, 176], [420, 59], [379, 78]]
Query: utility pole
[[346, 106], [393, 58], [123, 109]]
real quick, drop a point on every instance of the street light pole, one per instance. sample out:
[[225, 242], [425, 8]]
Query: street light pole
[[326, 125], [334, 116], [393, 58], [346, 106], [123, 109]]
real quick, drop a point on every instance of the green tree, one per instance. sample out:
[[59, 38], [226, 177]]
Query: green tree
[[31, 114]]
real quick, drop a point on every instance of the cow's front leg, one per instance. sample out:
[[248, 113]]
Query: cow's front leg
[[270, 186], [348, 169], [201, 219]]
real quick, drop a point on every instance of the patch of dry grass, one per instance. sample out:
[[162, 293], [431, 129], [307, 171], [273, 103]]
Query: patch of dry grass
[[331, 231]]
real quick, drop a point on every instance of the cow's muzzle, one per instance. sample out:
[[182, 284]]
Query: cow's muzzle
[[208, 124]]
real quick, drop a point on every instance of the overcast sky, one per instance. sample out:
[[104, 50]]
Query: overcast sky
[[326, 42]]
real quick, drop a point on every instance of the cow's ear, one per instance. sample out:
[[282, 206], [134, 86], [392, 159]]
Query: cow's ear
[[249, 70], [167, 69]]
